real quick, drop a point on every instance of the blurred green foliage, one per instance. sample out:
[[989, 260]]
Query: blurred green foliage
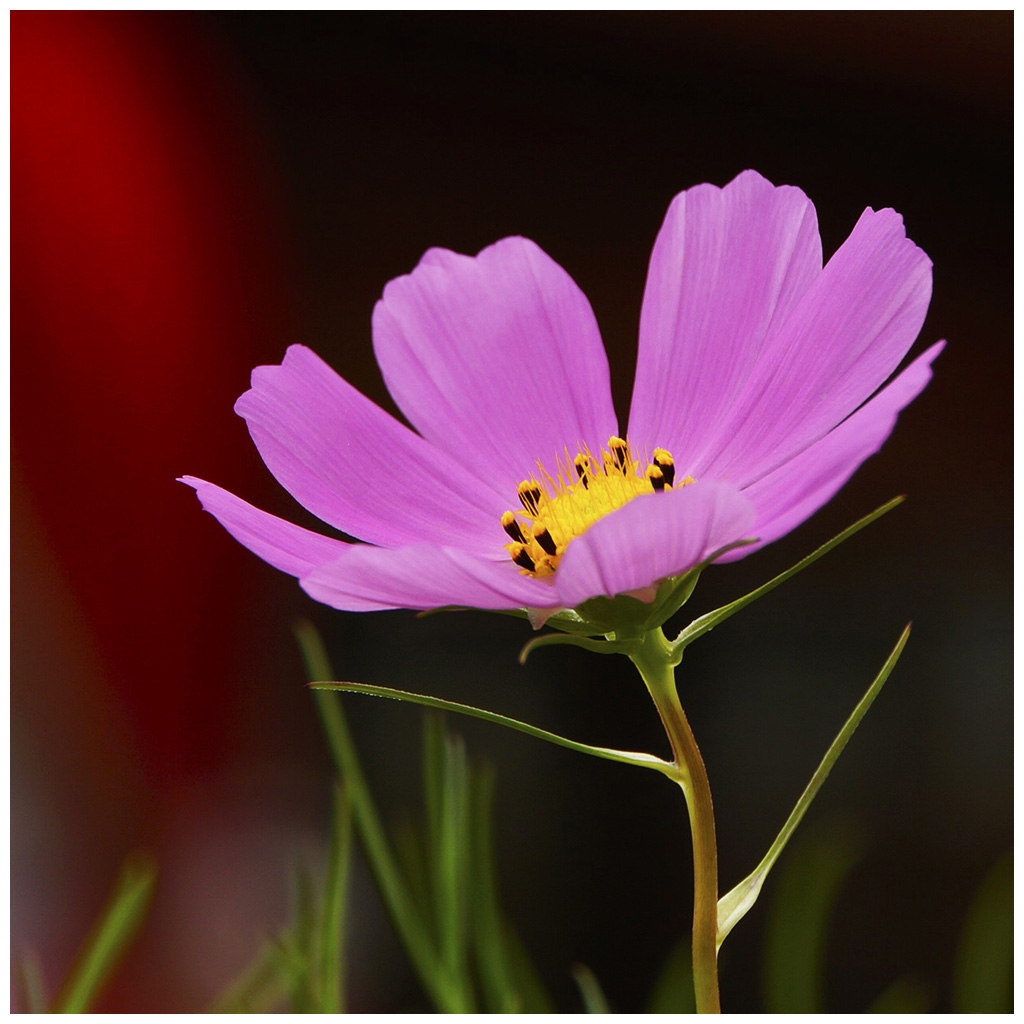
[[101, 951], [437, 878]]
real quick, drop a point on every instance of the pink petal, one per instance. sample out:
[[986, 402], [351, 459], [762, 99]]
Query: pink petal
[[650, 538], [284, 545], [845, 337], [498, 356], [797, 489], [728, 266], [358, 468], [422, 576]]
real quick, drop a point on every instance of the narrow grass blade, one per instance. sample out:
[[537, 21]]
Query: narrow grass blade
[[332, 929], [594, 1000], [411, 846], [488, 924], [259, 989], [31, 984], [297, 945], [793, 965], [673, 991], [433, 784], [509, 981], [904, 995], [608, 753], [408, 921], [113, 932], [735, 904], [708, 622], [984, 969], [448, 854]]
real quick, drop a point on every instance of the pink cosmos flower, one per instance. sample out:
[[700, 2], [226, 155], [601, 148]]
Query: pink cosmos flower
[[756, 397]]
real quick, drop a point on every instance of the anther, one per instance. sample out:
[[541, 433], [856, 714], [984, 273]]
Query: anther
[[665, 463], [522, 559], [529, 495], [657, 477], [545, 540], [511, 526], [582, 464], [619, 452]]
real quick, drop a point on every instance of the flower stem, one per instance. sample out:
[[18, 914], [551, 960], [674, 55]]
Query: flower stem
[[656, 663]]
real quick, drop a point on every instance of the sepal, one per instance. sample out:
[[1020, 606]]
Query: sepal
[[593, 644]]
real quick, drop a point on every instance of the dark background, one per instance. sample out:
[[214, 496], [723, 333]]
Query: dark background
[[193, 192]]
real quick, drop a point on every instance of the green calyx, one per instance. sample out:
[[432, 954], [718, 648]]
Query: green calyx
[[626, 616]]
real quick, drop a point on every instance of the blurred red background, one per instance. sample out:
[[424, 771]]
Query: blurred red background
[[193, 192]]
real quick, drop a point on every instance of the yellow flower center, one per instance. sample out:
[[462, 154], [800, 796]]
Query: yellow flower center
[[555, 509]]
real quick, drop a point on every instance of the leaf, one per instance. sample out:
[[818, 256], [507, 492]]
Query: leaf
[[115, 929], [594, 1000], [708, 622], [904, 995], [259, 989], [509, 980], [447, 786], [673, 991], [587, 643], [793, 965], [408, 921], [294, 950], [984, 968], [332, 929], [607, 753], [31, 984], [488, 922], [737, 902]]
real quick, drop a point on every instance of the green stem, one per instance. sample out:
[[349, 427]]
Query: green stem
[[656, 663]]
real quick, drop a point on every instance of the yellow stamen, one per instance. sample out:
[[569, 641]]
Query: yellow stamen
[[556, 509], [664, 461]]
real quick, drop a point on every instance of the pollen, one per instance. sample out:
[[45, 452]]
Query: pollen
[[557, 508]]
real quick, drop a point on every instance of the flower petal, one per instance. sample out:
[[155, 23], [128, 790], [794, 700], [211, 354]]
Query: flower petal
[[797, 489], [284, 545], [729, 264], [358, 468], [422, 576], [845, 337], [650, 538], [498, 356]]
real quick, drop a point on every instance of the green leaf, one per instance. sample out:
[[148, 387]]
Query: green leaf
[[488, 921], [408, 921], [332, 927], [708, 622], [31, 984], [673, 991], [115, 929], [259, 989], [295, 952], [983, 979], [448, 794], [735, 904], [587, 643], [303, 967], [594, 1000], [607, 753], [793, 965], [904, 995], [411, 849], [508, 978]]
